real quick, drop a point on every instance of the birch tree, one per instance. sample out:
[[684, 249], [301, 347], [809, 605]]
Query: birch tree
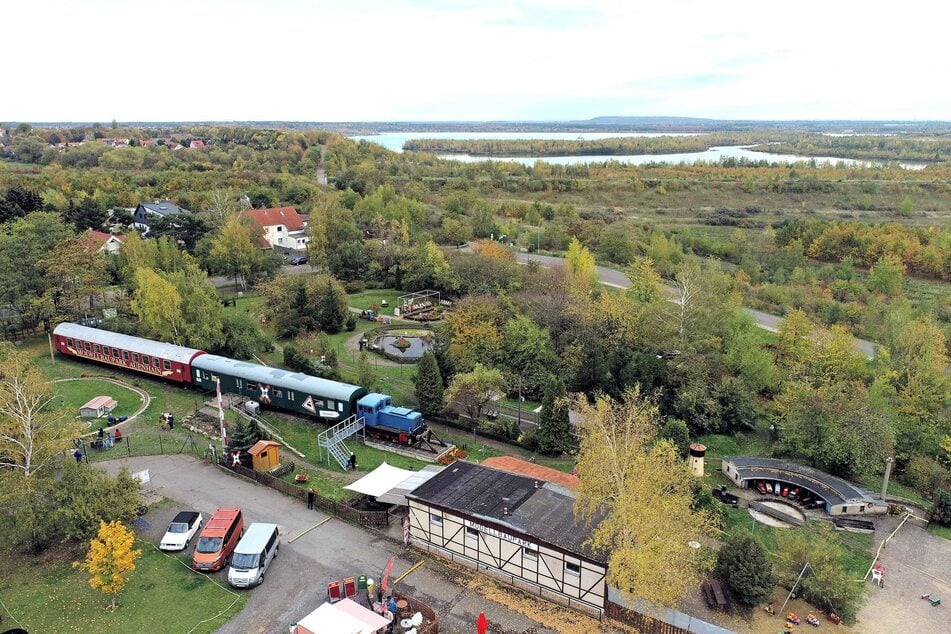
[[637, 493]]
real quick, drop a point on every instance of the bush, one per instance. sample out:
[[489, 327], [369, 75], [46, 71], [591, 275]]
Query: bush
[[351, 322], [941, 513], [676, 431], [925, 475], [743, 566], [355, 286]]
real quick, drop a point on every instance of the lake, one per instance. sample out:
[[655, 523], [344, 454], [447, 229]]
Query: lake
[[395, 140]]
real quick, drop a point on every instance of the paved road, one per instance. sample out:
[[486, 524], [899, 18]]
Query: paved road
[[610, 277], [296, 584]]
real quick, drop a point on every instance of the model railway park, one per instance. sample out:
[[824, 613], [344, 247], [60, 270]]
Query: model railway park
[[732, 398]]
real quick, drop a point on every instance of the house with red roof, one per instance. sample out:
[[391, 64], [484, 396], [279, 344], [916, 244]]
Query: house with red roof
[[103, 242], [282, 227]]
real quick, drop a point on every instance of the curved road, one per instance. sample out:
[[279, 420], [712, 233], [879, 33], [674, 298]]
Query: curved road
[[617, 279]]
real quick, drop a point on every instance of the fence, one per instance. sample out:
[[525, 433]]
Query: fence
[[340, 509], [140, 442], [644, 624], [432, 626]]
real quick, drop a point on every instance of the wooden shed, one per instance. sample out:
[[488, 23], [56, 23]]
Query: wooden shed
[[265, 455], [97, 407]]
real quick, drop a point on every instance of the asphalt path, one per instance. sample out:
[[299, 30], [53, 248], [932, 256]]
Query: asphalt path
[[617, 279], [296, 583]]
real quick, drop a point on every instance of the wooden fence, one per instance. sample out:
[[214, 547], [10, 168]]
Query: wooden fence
[[432, 626], [340, 509], [644, 624]]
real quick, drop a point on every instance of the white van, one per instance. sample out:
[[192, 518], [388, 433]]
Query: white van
[[253, 555]]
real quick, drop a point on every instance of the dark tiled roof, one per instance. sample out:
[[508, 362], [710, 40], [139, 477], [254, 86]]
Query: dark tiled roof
[[545, 513], [164, 208]]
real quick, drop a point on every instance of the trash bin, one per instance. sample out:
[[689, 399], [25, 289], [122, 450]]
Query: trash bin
[[362, 582]]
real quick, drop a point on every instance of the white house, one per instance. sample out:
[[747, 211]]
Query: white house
[[282, 227], [147, 213], [103, 242]]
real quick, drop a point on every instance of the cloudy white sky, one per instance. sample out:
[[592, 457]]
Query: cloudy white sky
[[379, 60]]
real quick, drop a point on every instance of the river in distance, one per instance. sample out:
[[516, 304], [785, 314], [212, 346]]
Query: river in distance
[[394, 141]]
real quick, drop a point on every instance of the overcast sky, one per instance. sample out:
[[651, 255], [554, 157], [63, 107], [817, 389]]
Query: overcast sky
[[355, 60]]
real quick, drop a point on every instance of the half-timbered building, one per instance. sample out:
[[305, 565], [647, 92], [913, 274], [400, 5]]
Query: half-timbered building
[[519, 529]]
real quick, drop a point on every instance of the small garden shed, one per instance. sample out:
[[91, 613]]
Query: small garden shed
[[265, 455], [99, 406]]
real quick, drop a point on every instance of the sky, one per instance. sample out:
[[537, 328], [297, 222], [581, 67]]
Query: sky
[[429, 60]]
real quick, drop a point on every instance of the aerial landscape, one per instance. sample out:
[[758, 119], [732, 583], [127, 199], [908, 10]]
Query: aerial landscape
[[514, 317]]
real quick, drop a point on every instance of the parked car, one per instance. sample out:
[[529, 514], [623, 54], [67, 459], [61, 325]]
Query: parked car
[[761, 487], [368, 314], [769, 487], [298, 259], [785, 491], [794, 493], [253, 555], [181, 530], [218, 539]]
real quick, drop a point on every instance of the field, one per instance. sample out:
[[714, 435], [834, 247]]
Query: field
[[163, 594]]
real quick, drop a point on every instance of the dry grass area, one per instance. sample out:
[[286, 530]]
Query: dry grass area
[[549, 615]]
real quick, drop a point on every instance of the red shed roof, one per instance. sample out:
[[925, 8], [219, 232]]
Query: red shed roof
[[532, 470], [100, 401]]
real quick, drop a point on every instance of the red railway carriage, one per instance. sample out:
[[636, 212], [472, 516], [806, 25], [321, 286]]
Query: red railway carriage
[[163, 360]]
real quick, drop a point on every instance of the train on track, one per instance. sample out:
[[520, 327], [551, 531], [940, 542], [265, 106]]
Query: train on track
[[330, 401]]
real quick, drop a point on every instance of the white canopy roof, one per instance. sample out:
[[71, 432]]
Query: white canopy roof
[[344, 617], [385, 478]]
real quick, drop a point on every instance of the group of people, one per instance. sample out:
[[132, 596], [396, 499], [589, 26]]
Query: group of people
[[110, 439]]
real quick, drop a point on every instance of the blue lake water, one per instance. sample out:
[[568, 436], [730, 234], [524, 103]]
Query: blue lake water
[[395, 140]]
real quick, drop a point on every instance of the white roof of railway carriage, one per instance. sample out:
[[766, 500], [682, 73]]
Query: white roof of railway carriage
[[158, 349], [276, 377]]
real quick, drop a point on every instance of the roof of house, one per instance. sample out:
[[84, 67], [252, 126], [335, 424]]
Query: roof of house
[[98, 238], [535, 508], [100, 401], [286, 216], [164, 208], [262, 445], [532, 470]]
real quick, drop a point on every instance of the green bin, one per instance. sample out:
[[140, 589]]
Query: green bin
[[362, 582]]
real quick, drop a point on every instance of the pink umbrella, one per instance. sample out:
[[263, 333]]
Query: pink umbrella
[[482, 624]]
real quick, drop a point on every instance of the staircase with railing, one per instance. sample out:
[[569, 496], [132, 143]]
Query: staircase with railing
[[332, 440]]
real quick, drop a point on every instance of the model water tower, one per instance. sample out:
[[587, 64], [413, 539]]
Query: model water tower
[[697, 452]]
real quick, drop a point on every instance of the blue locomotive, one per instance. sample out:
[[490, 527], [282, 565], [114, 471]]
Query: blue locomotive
[[384, 420]]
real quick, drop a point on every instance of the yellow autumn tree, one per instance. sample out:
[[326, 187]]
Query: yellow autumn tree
[[638, 494], [110, 559]]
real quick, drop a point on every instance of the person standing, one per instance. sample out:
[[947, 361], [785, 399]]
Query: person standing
[[78, 455], [352, 463], [310, 499]]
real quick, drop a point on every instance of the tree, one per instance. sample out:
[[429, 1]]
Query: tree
[[886, 276], [233, 250], [110, 559], [579, 263], [242, 337], [645, 281], [76, 275], [88, 214], [425, 267], [430, 390], [475, 390], [527, 355], [367, 376], [676, 431], [643, 494], [33, 434], [742, 564], [941, 512], [554, 428]]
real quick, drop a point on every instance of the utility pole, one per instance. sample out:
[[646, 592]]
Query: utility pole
[[793, 589]]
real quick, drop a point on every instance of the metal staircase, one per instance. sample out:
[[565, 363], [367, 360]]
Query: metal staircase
[[331, 440]]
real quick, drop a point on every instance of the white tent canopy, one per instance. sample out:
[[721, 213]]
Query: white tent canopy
[[389, 484], [344, 617], [380, 480]]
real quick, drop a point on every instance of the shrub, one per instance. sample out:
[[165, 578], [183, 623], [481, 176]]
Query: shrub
[[941, 513], [355, 286], [743, 566], [925, 475]]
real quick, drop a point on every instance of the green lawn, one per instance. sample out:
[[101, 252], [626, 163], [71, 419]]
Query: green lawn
[[74, 394], [874, 482], [719, 445], [375, 296], [163, 595], [940, 531]]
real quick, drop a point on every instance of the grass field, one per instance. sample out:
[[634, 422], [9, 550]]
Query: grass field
[[163, 595], [74, 394], [940, 531]]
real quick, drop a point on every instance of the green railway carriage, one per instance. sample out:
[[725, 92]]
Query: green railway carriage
[[331, 401]]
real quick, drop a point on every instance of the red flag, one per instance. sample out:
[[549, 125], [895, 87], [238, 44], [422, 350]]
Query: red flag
[[482, 624], [386, 572]]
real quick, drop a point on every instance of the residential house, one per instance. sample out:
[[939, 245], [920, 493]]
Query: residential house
[[282, 227], [103, 242], [147, 213]]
